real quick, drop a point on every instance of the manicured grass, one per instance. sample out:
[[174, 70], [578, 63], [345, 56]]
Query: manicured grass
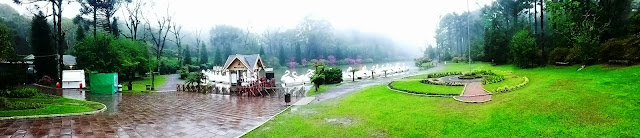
[[53, 105], [415, 86], [140, 85], [558, 102], [321, 89]]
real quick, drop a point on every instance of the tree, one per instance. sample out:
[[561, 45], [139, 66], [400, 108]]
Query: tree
[[7, 51], [204, 55], [59, 37], [43, 48], [115, 31], [523, 49], [318, 77], [187, 56], [134, 18], [159, 39], [176, 30], [107, 53], [218, 59]]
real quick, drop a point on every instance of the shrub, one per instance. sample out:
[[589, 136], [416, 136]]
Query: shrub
[[512, 88], [46, 80], [23, 106], [558, 55], [443, 74], [459, 59], [21, 92], [523, 49], [3, 102], [332, 76], [627, 48], [494, 78], [427, 81]]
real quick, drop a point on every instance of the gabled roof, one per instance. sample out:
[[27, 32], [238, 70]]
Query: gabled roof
[[68, 60], [250, 61]]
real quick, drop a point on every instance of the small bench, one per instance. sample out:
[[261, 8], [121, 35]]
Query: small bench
[[621, 62], [562, 63]]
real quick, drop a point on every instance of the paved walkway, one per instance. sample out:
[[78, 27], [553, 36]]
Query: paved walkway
[[348, 87], [171, 82], [163, 115], [474, 93]]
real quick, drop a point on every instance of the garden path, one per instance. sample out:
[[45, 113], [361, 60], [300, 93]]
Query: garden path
[[171, 82], [348, 86], [474, 93]]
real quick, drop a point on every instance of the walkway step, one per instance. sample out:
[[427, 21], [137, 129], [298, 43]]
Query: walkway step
[[305, 101]]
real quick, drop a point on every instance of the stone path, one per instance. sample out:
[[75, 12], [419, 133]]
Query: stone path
[[171, 82], [348, 87], [163, 115], [474, 93]]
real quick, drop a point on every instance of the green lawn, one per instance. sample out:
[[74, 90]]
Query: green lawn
[[558, 102], [140, 85], [321, 89], [415, 86], [53, 105]]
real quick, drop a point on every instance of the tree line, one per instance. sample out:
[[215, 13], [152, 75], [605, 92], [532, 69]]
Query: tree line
[[97, 37], [531, 33]]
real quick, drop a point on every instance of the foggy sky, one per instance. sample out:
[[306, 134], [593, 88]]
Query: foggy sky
[[412, 22]]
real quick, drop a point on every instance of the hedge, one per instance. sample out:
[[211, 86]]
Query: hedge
[[427, 81], [512, 88]]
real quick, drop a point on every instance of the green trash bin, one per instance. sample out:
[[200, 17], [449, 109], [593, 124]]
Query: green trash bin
[[103, 83]]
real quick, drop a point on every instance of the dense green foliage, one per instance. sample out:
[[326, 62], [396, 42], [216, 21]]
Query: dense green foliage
[[106, 54], [43, 47], [523, 49], [627, 48], [513, 31], [20, 92], [557, 102], [7, 51], [332, 75]]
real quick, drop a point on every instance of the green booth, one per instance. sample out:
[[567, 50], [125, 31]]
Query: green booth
[[103, 83]]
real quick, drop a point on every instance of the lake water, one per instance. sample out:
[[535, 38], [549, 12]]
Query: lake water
[[303, 70]]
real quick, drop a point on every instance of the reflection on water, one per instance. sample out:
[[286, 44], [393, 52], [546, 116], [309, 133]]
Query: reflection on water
[[111, 101], [302, 70]]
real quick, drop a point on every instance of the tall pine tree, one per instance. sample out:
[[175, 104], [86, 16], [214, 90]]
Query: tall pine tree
[[218, 57], [187, 56], [43, 48], [204, 55]]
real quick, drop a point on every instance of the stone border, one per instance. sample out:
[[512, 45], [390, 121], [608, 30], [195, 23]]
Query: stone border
[[455, 98], [410, 93], [104, 107], [265, 121]]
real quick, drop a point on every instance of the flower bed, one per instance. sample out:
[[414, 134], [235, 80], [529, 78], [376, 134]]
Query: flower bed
[[443, 74], [428, 81], [512, 88]]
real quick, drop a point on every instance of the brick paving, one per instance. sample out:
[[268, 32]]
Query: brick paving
[[165, 115], [474, 93]]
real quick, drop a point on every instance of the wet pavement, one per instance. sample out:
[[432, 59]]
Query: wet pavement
[[348, 86], [166, 114]]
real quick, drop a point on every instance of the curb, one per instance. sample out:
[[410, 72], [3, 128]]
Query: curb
[[426, 95], [104, 107], [265, 121]]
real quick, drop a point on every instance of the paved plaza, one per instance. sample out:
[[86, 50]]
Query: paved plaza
[[169, 114]]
